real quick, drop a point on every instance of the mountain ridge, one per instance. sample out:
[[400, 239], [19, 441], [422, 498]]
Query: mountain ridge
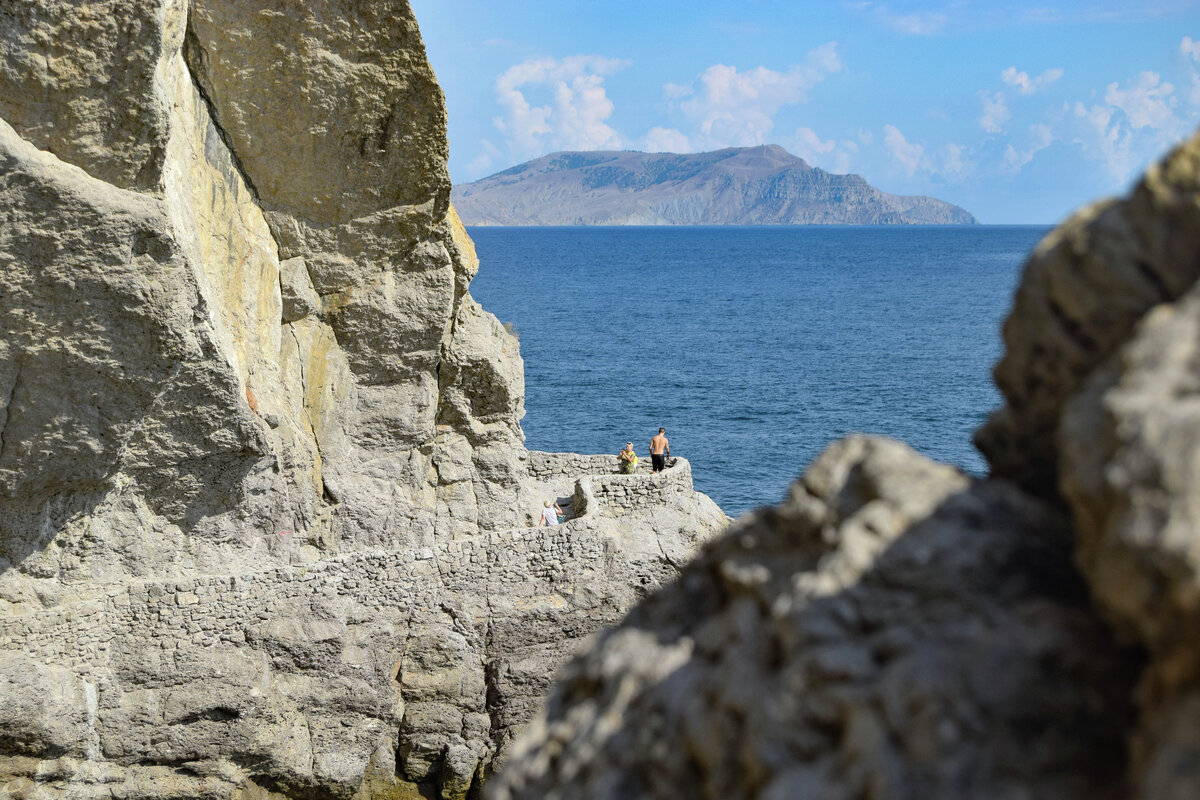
[[762, 185]]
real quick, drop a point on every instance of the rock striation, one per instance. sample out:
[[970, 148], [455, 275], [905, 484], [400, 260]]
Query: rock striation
[[763, 185], [896, 630], [265, 508]]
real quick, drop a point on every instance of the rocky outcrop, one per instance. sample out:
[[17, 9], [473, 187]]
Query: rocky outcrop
[[264, 501], [763, 185], [895, 630]]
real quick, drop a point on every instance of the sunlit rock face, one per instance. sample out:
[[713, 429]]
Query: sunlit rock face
[[264, 499], [895, 630]]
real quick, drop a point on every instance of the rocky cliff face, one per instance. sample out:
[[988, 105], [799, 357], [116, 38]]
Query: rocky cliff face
[[737, 186], [896, 630], [264, 502]]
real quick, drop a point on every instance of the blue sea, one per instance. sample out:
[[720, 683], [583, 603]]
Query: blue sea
[[754, 347]]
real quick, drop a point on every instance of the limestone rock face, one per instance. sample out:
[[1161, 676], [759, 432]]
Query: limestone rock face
[[265, 508], [893, 630]]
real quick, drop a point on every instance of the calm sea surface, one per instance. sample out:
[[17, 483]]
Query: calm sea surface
[[754, 347]]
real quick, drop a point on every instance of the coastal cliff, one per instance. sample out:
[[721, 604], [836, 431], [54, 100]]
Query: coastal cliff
[[265, 508], [763, 185]]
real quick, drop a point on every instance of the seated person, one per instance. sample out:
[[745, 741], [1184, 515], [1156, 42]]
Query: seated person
[[552, 514], [627, 460]]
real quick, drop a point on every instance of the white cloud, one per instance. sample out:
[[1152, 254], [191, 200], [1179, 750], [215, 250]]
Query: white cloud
[[1040, 137], [907, 155], [484, 160], [951, 162], [915, 23], [1145, 101], [675, 91], [808, 145], [730, 107], [995, 112], [1103, 138], [828, 154], [1027, 85], [1190, 48], [1134, 124], [666, 140], [1191, 51], [573, 119]]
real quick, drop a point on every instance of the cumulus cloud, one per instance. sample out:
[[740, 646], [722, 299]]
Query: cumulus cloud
[[574, 108], [1190, 48], [808, 144], [731, 107], [1146, 101], [950, 160], [1040, 137], [1136, 121], [1026, 85], [1103, 138], [995, 112], [666, 140], [825, 153], [907, 155], [1191, 51]]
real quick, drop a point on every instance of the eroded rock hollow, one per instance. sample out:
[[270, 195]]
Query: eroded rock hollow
[[265, 508]]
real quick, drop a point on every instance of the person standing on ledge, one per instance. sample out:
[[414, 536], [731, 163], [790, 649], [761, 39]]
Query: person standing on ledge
[[660, 449]]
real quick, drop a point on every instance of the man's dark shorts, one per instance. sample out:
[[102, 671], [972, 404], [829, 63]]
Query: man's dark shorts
[[658, 462]]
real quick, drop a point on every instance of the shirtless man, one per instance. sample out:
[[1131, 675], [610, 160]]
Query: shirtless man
[[660, 448]]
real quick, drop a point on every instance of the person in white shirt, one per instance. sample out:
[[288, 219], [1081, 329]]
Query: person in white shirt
[[550, 514]]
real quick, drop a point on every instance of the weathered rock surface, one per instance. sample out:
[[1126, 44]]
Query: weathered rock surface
[[264, 501], [763, 185], [893, 630], [1086, 286], [896, 631]]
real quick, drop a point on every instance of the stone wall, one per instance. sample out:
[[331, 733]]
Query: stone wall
[[600, 486], [642, 491], [211, 609], [543, 466]]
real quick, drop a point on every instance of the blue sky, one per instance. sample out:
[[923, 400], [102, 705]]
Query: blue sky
[[1019, 112]]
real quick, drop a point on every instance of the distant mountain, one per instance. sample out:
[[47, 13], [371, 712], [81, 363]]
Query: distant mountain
[[763, 185]]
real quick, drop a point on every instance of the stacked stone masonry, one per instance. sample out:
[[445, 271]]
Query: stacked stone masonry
[[214, 608], [610, 492]]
